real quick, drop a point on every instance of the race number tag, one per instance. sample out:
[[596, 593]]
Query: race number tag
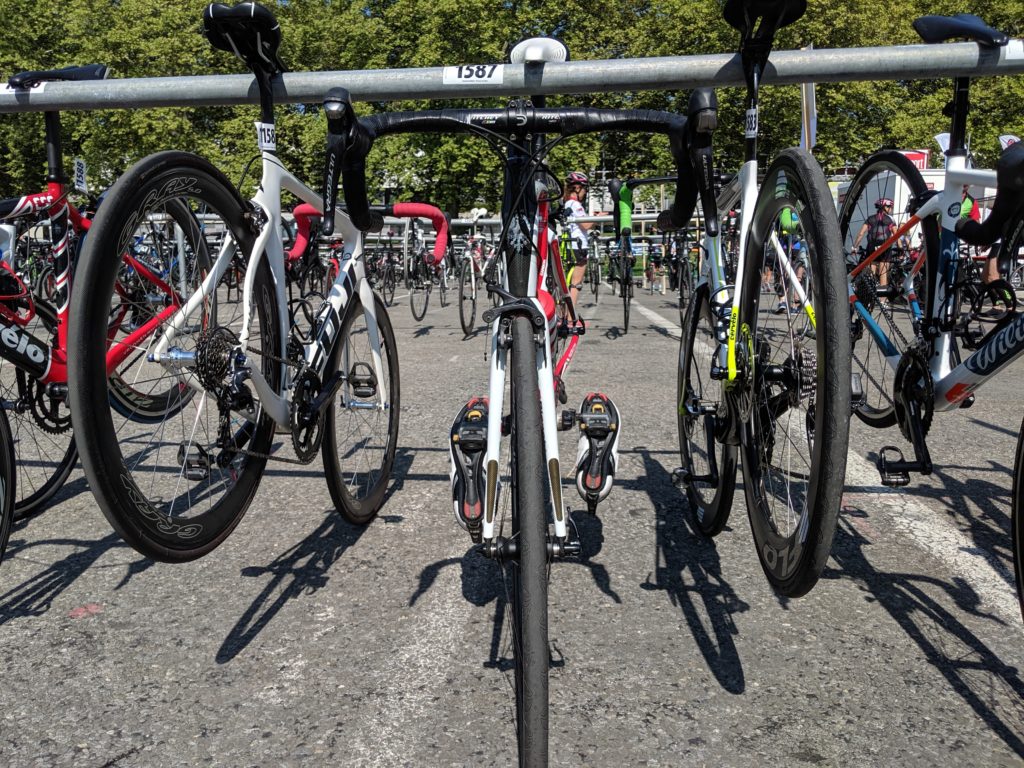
[[80, 183], [266, 136], [751, 132], [471, 74]]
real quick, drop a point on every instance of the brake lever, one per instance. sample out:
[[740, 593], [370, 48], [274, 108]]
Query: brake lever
[[338, 109]]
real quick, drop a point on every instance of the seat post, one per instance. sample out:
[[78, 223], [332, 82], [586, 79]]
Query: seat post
[[54, 158], [959, 107]]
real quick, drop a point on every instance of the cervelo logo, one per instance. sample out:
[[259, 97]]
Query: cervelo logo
[[43, 200], [1003, 345], [22, 343]]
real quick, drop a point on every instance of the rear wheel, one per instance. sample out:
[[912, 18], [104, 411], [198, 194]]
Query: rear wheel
[[419, 289], [389, 283], [884, 319], [709, 465], [1017, 517], [174, 485], [796, 373], [626, 289], [360, 431], [467, 297]]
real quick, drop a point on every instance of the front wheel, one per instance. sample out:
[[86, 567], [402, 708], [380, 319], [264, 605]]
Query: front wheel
[[527, 574], [8, 482], [795, 367], [175, 483], [389, 284], [361, 425], [626, 289], [709, 466]]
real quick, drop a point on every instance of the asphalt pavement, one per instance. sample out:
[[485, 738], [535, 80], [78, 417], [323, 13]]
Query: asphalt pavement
[[307, 641]]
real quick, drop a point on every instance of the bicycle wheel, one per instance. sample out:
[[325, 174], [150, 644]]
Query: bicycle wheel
[[1011, 258], [467, 297], [8, 482], [419, 291], [626, 289], [175, 488], [709, 466], [1017, 517], [389, 284], [442, 286], [796, 371], [360, 436], [884, 324], [527, 574], [40, 424], [595, 280]]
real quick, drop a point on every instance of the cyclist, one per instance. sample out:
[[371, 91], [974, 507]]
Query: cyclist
[[576, 186], [878, 228]]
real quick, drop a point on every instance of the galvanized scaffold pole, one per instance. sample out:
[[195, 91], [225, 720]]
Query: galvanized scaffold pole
[[664, 73]]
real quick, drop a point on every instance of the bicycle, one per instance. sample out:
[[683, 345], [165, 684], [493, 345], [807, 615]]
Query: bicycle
[[429, 270], [34, 290], [522, 328], [593, 276], [622, 215], [775, 387], [176, 490], [476, 267], [914, 378]]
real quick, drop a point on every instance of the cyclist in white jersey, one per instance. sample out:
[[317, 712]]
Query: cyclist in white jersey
[[576, 185]]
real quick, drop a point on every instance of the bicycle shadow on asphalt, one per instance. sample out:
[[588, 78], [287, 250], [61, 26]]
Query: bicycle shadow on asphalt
[[483, 583], [929, 611], [680, 549], [979, 508], [35, 596], [301, 570]]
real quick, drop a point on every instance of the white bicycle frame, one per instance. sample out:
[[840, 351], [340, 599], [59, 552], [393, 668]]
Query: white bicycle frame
[[496, 389], [351, 277]]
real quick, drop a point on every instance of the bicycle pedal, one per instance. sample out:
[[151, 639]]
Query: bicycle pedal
[[680, 475], [568, 420], [967, 402], [597, 454], [560, 394], [857, 398], [195, 462], [893, 471], [467, 448], [363, 381]]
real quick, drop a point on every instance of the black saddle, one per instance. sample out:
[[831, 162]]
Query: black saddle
[[775, 14], [247, 30], [938, 29], [31, 79]]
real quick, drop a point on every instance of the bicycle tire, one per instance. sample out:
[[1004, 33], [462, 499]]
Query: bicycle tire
[[146, 479], [595, 281], [1012, 255], [44, 441], [358, 462], [528, 573], [792, 510], [442, 287], [419, 293], [626, 286], [1017, 517], [389, 285], [699, 402], [8, 482], [884, 174], [467, 298]]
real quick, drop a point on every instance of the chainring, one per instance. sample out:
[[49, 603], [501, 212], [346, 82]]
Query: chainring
[[913, 382], [306, 437], [46, 410]]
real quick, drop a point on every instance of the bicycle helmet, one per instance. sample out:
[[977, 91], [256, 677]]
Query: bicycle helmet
[[883, 202], [577, 177]]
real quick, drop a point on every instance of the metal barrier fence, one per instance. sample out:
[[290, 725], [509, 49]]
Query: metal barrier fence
[[663, 73]]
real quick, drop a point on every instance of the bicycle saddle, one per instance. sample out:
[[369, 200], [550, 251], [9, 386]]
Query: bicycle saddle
[[247, 30], [31, 79], [776, 14], [938, 29]]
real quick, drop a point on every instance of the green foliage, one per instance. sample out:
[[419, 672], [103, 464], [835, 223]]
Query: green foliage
[[140, 38]]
